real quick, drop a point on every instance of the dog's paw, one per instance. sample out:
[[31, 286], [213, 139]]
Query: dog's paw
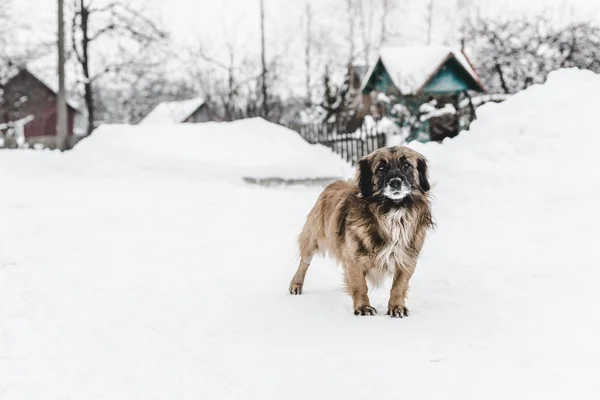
[[296, 288], [365, 310], [397, 311]]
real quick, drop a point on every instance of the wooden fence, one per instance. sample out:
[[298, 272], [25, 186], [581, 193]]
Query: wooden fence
[[350, 146]]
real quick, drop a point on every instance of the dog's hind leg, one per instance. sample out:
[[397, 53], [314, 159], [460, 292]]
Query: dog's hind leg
[[308, 246]]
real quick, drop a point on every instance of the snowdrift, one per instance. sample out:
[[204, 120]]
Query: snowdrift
[[523, 179], [522, 134], [533, 157], [118, 287], [516, 202], [251, 148]]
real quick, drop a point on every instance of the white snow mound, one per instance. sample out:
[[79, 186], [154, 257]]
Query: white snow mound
[[247, 148], [515, 203], [115, 287]]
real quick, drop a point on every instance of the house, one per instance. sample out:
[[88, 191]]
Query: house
[[28, 110], [179, 112], [420, 79]]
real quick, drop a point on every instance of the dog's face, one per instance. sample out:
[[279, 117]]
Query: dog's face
[[392, 174]]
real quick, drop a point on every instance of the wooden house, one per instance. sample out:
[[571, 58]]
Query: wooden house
[[414, 76], [180, 112], [29, 108]]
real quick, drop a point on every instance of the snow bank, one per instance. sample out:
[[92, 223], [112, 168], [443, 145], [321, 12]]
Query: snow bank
[[515, 204], [247, 148], [537, 130], [523, 176], [154, 288]]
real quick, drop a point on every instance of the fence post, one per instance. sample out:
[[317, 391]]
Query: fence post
[[351, 146]]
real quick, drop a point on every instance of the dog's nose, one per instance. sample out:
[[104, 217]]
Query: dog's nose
[[395, 183]]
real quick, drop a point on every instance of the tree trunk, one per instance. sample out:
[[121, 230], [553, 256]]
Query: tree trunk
[[308, 101], [265, 94], [230, 106], [501, 76], [472, 108], [351, 31], [85, 64], [383, 34], [365, 26], [230, 114], [429, 21]]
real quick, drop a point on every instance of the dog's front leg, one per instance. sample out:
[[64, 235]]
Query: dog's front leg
[[356, 285], [397, 304]]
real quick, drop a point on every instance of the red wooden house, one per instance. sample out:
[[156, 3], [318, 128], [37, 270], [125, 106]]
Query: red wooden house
[[29, 105]]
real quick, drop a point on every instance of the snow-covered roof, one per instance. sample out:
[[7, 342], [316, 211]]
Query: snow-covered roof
[[411, 68], [173, 112], [13, 71]]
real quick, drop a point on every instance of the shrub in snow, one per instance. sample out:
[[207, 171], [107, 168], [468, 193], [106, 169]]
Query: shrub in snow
[[409, 123], [513, 54]]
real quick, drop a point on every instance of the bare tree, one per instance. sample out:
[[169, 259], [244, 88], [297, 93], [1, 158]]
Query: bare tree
[[227, 92], [307, 53], [263, 60], [383, 23], [129, 29], [128, 96], [5, 26], [370, 18], [365, 18], [429, 21], [351, 10], [511, 55], [4, 15], [462, 8], [234, 73]]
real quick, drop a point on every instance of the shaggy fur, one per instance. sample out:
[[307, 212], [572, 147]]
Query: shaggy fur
[[375, 226]]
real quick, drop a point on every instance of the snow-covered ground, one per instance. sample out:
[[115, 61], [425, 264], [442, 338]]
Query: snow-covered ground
[[250, 148], [127, 274]]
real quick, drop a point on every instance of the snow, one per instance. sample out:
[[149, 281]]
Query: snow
[[383, 98], [172, 112], [482, 99], [411, 67], [133, 282], [374, 127], [251, 148], [433, 112]]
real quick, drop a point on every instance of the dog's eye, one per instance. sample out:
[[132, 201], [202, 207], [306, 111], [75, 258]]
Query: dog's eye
[[407, 166], [381, 168]]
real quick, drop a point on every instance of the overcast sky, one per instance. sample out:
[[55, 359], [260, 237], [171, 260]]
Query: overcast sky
[[211, 23], [188, 18]]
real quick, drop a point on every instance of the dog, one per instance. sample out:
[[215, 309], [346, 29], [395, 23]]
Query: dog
[[374, 225]]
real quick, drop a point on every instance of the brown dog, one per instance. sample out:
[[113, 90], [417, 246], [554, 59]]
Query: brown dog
[[374, 226]]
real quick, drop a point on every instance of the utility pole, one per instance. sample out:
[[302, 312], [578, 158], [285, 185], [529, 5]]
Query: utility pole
[[61, 104], [265, 94]]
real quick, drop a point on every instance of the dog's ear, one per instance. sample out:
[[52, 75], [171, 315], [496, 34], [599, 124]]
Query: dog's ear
[[365, 178], [422, 169]]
